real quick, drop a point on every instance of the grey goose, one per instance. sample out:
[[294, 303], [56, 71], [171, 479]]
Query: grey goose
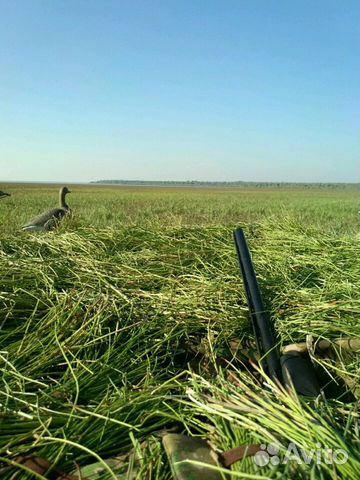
[[50, 219]]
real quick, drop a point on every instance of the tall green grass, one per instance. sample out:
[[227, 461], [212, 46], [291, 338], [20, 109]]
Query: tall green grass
[[120, 325]]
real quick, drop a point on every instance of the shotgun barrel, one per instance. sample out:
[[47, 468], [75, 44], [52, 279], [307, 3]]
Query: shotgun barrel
[[262, 327], [290, 369]]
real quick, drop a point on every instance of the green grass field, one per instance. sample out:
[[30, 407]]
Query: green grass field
[[121, 325]]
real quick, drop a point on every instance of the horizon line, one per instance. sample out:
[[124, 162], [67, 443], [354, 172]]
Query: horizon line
[[138, 181]]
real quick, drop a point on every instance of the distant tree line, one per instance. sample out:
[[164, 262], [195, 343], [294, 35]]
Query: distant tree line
[[189, 183]]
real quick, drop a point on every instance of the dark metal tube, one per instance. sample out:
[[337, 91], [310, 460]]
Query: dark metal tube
[[262, 326]]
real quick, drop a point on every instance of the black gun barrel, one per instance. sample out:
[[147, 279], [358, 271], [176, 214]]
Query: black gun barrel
[[261, 322]]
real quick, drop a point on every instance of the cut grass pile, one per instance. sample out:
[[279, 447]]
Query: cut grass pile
[[112, 334]]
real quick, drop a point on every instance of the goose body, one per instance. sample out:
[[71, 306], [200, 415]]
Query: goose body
[[50, 219], [4, 194]]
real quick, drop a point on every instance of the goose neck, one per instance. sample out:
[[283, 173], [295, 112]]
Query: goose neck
[[63, 203]]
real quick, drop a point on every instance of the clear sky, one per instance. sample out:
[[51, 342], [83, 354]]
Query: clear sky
[[263, 90]]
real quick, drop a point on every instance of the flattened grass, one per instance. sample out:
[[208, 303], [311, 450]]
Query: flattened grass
[[101, 322]]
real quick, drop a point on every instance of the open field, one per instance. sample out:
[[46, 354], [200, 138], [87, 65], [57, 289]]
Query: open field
[[108, 206], [122, 323]]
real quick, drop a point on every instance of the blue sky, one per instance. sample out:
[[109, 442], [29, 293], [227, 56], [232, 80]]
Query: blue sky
[[262, 90]]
